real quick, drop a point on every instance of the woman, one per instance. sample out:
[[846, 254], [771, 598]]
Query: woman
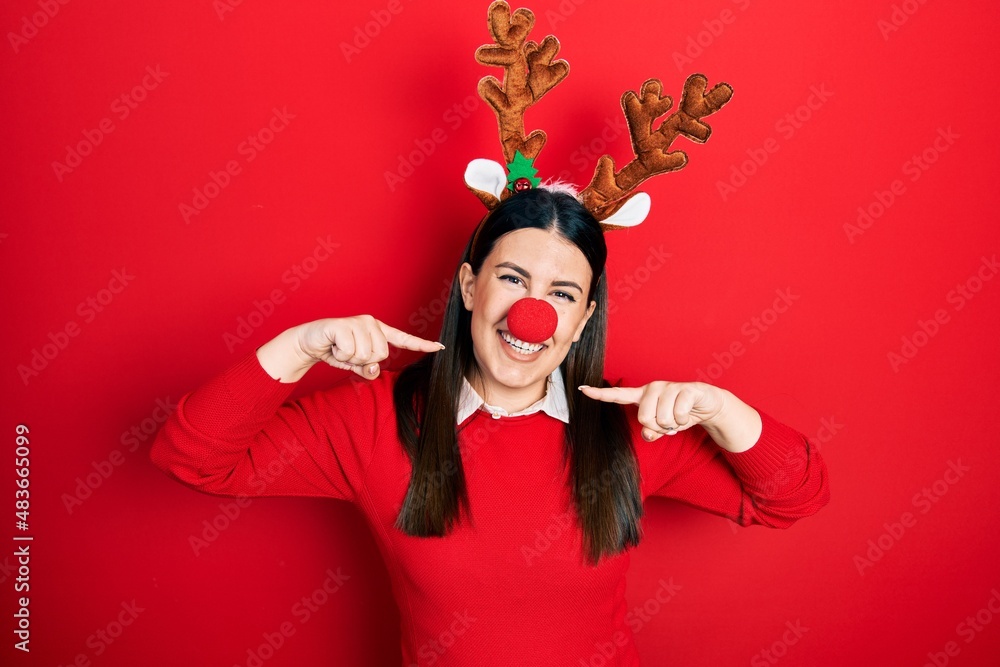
[[502, 478]]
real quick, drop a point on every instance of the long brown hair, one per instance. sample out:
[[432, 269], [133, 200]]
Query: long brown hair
[[597, 444]]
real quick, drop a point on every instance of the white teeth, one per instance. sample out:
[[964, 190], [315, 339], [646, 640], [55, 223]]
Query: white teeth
[[520, 345]]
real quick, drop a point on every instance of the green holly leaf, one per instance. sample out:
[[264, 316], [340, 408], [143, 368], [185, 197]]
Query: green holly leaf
[[522, 167]]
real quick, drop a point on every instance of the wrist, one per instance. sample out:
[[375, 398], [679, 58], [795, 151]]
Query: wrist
[[736, 427], [283, 358]]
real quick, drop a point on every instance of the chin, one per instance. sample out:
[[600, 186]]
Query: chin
[[493, 356]]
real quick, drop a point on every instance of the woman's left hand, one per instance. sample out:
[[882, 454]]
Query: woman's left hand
[[666, 407]]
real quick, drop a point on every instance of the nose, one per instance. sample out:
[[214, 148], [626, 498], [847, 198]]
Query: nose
[[532, 320]]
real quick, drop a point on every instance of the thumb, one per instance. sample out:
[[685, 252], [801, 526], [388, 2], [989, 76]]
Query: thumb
[[366, 371], [649, 435]]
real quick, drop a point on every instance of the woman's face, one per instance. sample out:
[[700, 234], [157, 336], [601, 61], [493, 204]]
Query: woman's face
[[524, 263]]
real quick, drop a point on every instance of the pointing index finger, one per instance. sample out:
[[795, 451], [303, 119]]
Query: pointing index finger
[[407, 341], [623, 395]]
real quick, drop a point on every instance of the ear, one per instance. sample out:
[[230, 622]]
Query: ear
[[487, 180], [631, 213], [467, 283], [583, 323]]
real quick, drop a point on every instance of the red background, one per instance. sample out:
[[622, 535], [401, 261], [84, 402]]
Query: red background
[[890, 430]]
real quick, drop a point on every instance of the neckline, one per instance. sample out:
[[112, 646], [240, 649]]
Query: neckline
[[487, 416]]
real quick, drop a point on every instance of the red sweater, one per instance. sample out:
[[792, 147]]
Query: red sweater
[[513, 589]]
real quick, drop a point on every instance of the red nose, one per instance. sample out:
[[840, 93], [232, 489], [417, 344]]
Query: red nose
[[532, 320]]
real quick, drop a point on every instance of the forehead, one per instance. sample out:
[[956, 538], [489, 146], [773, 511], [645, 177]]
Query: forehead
[[541, 252]]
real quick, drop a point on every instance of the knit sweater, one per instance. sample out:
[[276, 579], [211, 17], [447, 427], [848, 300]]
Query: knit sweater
[[510, 587]]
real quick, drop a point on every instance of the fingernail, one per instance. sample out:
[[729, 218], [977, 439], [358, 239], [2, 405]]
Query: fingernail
[[441, 345], [373, 369], [582, 386]]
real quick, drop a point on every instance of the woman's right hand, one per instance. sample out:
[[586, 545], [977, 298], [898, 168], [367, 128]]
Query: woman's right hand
[[356, 343]]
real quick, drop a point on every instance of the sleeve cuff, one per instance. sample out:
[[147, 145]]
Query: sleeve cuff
[[773, 451], [242, 390]]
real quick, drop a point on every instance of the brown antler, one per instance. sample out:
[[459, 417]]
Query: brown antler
[[608, 191], [529, 73]]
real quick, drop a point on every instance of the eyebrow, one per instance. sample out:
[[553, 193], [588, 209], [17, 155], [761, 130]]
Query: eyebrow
[[555, 283]]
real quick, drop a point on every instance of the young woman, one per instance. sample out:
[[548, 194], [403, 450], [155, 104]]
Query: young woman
[[503, 479]]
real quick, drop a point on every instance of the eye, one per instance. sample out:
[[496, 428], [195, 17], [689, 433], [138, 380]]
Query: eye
[[564, 295], [515, 279]]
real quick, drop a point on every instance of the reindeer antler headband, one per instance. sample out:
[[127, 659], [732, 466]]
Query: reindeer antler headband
[[529, 73]]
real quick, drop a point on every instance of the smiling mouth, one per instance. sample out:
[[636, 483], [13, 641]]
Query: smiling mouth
[[519, 345]]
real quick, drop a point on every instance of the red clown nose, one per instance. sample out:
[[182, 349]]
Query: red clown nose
[[532, 320]]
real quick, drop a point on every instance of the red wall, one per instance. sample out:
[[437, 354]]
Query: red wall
[[885, 352]]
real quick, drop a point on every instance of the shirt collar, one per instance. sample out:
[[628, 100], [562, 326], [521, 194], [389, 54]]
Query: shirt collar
[[553, 403]]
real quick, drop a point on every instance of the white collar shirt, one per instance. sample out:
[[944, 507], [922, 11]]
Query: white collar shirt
[[552, 403]]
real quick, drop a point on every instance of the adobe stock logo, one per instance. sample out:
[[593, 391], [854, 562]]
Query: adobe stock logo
[[787, 127], [697, 43], [104, 637], [121, 107], [303, 610], [30, 26], [423, 147], [229, 512], [924, 501], [958, 297], [915, 167], [58, 340], [102, 470], [223, 7], [779, 648], [968, 629], [432, 649], [294, 276], [634, 280], [370, 30], [754, 328], [606, 652], [249, 149], [898, 17]]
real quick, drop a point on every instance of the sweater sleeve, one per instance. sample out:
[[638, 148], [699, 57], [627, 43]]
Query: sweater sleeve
[[238, 436], [779, 480]]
